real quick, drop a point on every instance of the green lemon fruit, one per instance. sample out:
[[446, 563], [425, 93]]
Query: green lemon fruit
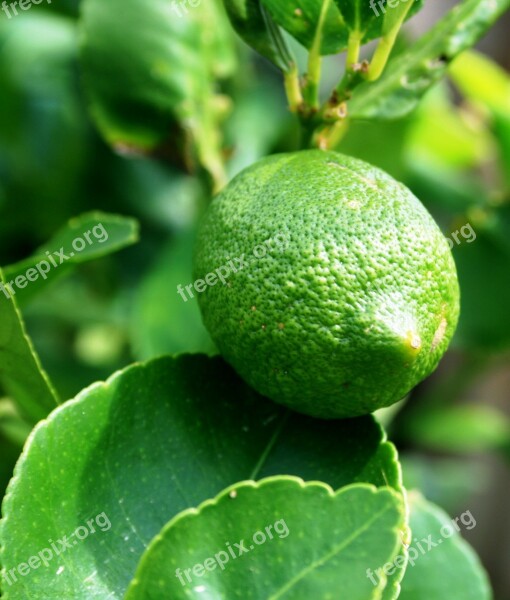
[[325, 283]]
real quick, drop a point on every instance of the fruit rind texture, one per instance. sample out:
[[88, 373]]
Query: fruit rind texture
[[355, 298]]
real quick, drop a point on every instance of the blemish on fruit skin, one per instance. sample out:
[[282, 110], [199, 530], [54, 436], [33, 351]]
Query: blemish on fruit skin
[[370, 182], [354, 204], [439, 334], [413, 340]]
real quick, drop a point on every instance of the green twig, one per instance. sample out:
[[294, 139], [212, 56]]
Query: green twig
[[385, 46], [293, 89], [330, 136], [381, 55], [353, 49], [313, 77]]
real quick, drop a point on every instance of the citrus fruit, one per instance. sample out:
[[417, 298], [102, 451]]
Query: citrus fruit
[[325, 283]]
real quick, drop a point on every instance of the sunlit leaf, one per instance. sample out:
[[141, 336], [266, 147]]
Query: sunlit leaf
[[319, 544], [84, 238], [447, 569], [21, 373], [133, 448]]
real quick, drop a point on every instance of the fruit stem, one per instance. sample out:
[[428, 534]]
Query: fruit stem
[[315, 61], [329, 137], [353, 49], [384, 48], [381, 56], [293, 89]]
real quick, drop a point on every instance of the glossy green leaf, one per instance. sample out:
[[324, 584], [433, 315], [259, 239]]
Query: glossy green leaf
[[459, 429], [301, 19], [157, 439], [150, 73], [84, 238], [21, 373], [394, 579], [449, 569], [289, 539], [255, 26], [410, 74]]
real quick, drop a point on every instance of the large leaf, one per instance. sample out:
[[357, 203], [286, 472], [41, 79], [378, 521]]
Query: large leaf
[[255, 26], [84, 238], [301, 18], [289, 539], [21, 373], [150, 70], [448, 568], [155, 440], [409, 75]]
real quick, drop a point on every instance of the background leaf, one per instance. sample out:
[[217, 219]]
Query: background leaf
[[106, 234], [45, 142], [251, 21], [150, 72], [410, 74], [449, 570], [162, 321], [482, 80], [21, 373], [132, 448], [459, 428], [331, 538], [484, 279]]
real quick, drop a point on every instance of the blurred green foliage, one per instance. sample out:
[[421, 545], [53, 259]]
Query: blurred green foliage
[[453, 151]]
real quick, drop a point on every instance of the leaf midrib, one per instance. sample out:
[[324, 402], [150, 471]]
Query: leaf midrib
[[336, 550]]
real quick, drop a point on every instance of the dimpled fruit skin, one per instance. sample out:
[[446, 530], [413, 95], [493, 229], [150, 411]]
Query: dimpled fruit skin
[[356, 306]]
